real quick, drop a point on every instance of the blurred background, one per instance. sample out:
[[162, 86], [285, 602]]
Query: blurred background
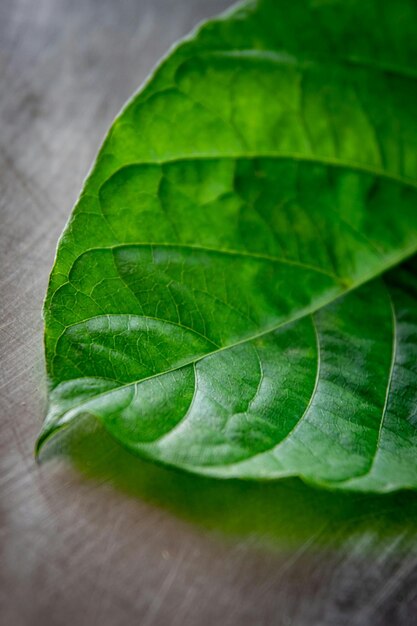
[[94, 536]]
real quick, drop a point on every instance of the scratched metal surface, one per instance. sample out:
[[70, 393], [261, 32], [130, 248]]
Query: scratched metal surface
[[93, 536]]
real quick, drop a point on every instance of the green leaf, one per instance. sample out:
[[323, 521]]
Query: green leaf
[[217, 299]]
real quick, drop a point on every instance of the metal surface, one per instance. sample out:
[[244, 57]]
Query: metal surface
[[94, 536]]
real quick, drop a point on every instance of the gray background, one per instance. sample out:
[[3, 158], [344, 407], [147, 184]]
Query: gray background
[[94, 536]]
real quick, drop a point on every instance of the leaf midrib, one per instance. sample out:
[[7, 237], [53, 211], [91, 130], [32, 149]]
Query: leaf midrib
[[300, 315]]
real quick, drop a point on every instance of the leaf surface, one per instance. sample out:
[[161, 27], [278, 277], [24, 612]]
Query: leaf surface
[[217, 298]]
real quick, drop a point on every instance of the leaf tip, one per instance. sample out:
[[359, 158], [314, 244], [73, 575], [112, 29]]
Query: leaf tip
[[39, 443]]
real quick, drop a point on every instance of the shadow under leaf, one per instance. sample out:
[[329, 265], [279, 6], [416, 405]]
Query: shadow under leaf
[[285, 513]]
